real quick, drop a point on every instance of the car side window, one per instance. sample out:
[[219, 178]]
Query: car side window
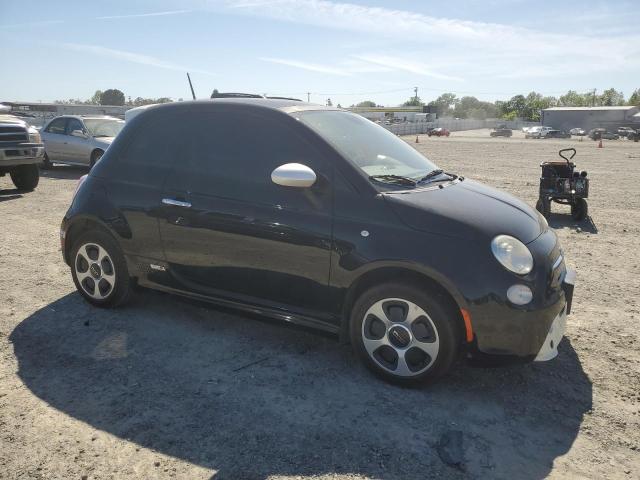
[[232, 155], [150, 150], [57, 126], [74, 124]]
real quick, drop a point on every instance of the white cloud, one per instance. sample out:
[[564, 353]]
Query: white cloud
[[399, 63], [131, 57], [153, 14], [313, 67], [481, 48]]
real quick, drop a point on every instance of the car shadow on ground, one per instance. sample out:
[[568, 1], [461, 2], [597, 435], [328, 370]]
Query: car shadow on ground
[[251, 398], [558, 220], [10, 194], [64, 172]]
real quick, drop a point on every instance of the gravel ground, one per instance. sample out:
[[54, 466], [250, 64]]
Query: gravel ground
[[171, 388]]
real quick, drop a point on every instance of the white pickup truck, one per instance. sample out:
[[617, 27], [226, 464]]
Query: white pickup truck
[[21, 151], [537, 132]]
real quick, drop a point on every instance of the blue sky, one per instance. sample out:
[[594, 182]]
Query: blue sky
[[348, 51]]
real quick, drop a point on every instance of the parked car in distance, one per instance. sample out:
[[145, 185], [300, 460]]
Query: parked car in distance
[[579, 132], [625, 131], [635, 136], [537, 132], [78, 140], [557, 134], [438, 132], [21, 151], [323, 218], [602, 133], [501, 131]]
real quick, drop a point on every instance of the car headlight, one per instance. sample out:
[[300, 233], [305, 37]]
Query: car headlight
[[512, 254], [34, 136]]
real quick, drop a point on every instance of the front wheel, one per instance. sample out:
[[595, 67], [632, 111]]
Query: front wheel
[[543, 205], [579, 209], [405, 335], [25, 177], [99, 270]]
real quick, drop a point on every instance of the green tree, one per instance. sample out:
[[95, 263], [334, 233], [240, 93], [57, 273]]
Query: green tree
[[514, 107], [112, 96], [413, 102], [445, 104], [95, 100], [634, 99], [471, 107], [611, 97], [575, 99], [329, 103], [366, 104]]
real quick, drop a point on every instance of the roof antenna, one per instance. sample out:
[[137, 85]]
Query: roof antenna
[[191, 86]]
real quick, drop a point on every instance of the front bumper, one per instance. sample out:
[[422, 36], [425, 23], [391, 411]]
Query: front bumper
[[518, 333], [549, 349], [21, 154]]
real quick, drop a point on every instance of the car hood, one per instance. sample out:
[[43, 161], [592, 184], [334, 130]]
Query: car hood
[[467, 209]]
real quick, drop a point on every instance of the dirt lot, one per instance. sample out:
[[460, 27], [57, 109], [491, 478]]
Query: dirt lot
[[170, 388]]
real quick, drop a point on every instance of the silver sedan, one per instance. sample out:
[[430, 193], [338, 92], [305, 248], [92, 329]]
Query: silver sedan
[[77, 140]]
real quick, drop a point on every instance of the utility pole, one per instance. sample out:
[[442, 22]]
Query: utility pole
[[308, 97], [415, 89], [593, 102]]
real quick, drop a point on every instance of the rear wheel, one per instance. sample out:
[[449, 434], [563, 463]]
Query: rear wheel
[[95, 156], [99, 269], [543, 205], [404, 334], [25, 177], [46, 163], [579, 209]]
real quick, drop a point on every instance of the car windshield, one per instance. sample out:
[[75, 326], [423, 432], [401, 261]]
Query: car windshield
[[382, 156], [104, 127]]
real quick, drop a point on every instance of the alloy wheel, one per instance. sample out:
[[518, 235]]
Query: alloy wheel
[[95, 271], [400, 337]]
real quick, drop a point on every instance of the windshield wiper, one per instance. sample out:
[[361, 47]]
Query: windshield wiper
[[435, 173], [431, 174], [397, 179]]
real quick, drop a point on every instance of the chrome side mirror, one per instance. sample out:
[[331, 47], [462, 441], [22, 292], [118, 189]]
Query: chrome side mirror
[[78, 133], [293, 175]]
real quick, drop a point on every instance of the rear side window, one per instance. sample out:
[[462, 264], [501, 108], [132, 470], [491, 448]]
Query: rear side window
[[57, 126], [149, 151], [232, 155]]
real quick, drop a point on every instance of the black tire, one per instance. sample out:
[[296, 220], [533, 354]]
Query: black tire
[[25, 177], [46, 163], [543, 205], [444, 328], [119, 293], [579, 209], [95, 156]]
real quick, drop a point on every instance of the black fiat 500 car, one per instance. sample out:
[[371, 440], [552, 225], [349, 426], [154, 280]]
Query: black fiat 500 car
[[320, 217]]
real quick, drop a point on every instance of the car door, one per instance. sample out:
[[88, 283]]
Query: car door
[[76, 149], [54, 137], [229, 231]]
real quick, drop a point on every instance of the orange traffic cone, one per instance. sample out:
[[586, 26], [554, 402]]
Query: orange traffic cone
[[417, 140], [600, 144]]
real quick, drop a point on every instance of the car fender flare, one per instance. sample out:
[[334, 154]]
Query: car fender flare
[[411, 269]]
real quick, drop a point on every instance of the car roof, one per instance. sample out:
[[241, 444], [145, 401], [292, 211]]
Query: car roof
[[283, 105], [87, 117]]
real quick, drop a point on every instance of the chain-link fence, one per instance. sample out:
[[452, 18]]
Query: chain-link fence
[[454, 125]]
